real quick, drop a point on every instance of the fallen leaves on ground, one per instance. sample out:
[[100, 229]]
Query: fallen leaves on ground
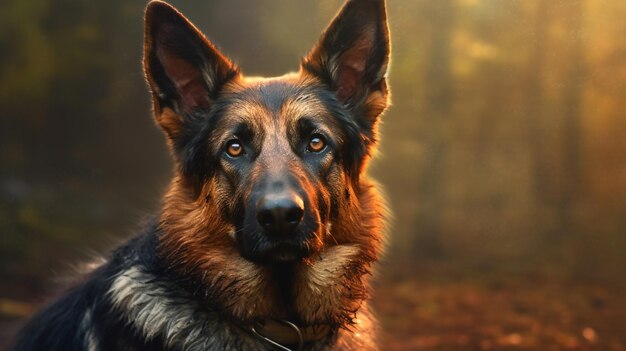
[[429, 311]]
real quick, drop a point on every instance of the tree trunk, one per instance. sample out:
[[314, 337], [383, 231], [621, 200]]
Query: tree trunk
[[572, 172], [438, 100], [535, 105]]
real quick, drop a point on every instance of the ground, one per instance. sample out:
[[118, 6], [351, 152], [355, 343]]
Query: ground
[[441, 309]]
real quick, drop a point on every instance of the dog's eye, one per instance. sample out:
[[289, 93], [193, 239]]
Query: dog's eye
[[317, 143], [234, 148]]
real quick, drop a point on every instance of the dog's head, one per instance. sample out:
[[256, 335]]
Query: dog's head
[[270, 170]]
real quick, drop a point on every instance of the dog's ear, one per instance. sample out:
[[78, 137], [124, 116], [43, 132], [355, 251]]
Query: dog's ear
[[185, 71], [352, 57]]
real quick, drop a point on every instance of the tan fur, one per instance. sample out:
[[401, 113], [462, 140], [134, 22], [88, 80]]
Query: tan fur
[[198, 239], [170, 122]]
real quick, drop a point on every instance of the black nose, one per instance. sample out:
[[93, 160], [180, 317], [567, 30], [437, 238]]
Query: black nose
[[280, 213]]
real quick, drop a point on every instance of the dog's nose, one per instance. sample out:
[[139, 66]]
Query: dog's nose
[[280, 213]]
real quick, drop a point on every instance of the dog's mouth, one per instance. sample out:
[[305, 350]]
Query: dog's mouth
[[282, 252], [263, 246], [286, 253], [265, 249]]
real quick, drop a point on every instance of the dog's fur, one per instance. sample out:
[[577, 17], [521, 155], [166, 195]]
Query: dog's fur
[[205, 271]]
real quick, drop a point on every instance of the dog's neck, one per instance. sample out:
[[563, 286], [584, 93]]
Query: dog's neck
[[326, 289], [157, 305]]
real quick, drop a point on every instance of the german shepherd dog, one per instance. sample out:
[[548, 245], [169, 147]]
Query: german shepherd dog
[[269, 228]]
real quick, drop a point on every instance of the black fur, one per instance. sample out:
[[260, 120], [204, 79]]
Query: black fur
[[61, 326]]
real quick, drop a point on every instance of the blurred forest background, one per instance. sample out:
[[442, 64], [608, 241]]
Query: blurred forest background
[[503, 156]]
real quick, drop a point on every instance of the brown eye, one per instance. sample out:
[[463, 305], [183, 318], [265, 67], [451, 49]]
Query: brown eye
[[317, 143], [234, 148]]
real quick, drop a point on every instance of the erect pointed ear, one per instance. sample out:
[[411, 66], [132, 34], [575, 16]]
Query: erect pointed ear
[[185, 71], [352, 57]]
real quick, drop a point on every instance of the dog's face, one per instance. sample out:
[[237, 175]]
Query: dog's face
[[269, 169], [276, 150]]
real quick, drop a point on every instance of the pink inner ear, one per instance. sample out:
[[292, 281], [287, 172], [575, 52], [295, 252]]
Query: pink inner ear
[[188, 81], [352, 66], [348, 80]]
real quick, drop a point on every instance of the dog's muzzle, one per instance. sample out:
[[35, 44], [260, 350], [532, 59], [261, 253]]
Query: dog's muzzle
[[280, 213], [278, 224]]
